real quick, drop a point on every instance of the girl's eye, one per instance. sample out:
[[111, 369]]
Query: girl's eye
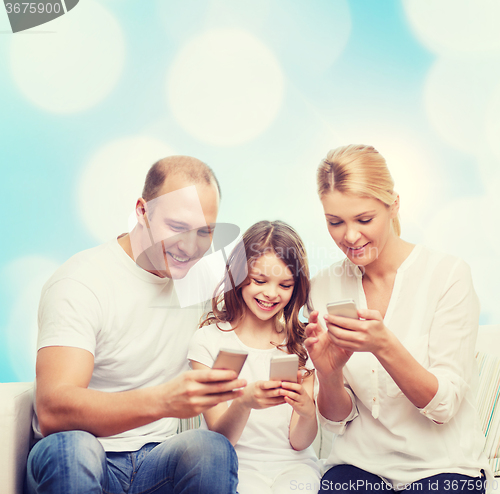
[[259, 282], [335, 224], [286, 286]]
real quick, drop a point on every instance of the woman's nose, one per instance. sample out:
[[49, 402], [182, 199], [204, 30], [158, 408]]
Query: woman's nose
[[352, 235]]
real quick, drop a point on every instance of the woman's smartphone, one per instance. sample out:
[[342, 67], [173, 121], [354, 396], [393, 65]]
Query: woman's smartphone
[[343, 308], [230, 360], [284, 368]]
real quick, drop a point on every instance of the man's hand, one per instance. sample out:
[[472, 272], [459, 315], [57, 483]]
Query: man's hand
[[195, 391]]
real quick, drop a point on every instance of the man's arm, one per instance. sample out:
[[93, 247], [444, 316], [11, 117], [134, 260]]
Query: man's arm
[[65, 403]]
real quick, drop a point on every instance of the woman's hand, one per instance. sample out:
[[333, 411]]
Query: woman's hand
[[262, 394], [366, 335], [328, 357], [296, 395]]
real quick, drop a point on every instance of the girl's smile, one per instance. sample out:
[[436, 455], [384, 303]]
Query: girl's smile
[[270, 287]]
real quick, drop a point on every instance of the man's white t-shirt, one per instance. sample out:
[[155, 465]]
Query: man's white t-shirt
[[128, 319]]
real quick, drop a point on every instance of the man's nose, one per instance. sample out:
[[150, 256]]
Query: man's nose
[[188, 243]]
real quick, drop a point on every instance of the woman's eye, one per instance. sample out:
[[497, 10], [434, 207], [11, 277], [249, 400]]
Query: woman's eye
[[365, 221], [335, 224]]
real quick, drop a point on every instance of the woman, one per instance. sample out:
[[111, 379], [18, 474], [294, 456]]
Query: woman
[[395, 385]]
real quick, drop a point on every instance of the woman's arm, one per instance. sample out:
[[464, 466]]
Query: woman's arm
[[371, 335], [439, 389], [334, 403], [303, 424], [231, 420]]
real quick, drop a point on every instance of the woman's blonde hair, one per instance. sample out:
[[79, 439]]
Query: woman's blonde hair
[[357, 169]]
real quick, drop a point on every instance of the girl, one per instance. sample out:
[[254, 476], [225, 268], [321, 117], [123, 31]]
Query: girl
[[395, 386], [273, 424]]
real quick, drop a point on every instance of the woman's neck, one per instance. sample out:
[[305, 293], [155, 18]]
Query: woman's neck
[[390, 259]]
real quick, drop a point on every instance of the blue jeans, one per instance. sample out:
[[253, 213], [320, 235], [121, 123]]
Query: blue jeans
[[353, 480], [74, 462]]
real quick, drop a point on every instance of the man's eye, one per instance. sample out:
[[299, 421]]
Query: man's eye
[[176, 228], [204, 233]]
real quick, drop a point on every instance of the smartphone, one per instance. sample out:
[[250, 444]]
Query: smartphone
[[230, 360], [284, 368], [344, 308]]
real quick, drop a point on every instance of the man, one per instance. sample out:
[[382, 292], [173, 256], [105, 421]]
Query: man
[[110, 381]]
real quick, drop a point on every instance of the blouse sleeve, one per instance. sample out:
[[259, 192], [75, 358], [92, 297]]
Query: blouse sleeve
[[452, 340], [329, 425]]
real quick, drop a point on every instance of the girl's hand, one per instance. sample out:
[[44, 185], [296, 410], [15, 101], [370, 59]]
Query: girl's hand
[[262, 394], [296, 396], [366, 335], [327, 356]]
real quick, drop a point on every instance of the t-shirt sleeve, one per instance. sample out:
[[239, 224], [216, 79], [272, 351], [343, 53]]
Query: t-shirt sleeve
[[202, 347], [452, 341], [69, 314]]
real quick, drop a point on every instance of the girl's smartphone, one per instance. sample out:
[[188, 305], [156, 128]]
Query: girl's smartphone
[[284, 368], [230, 360], [344, 308]]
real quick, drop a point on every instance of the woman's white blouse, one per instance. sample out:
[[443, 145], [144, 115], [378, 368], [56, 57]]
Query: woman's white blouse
[[434, 312]]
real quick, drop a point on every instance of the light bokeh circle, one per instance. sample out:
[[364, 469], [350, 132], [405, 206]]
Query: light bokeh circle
[[457, 94], [74, 67], [493, 124], [25, 277], [455, 26], [225, 87], [112, 181]]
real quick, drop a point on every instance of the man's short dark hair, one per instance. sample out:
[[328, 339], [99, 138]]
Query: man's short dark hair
[[191, 168]]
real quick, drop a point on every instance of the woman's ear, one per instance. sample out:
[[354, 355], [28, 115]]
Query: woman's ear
[[395, 206]]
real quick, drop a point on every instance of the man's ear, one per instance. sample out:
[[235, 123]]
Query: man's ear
[[395, 206], [141, 212]]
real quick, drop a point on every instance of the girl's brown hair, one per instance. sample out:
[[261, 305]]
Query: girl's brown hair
[[265, 237], [357, 169]]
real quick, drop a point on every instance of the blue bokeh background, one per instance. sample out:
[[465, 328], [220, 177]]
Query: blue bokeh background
[[259, 90]]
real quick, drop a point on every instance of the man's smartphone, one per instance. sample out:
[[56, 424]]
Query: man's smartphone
[[230, 360], [344, 308], [284, 368]]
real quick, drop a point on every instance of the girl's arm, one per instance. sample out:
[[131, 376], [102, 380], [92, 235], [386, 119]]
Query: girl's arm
[[303, 424], [231, 420]]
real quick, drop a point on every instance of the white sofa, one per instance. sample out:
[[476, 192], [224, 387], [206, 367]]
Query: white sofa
[[16, 411]]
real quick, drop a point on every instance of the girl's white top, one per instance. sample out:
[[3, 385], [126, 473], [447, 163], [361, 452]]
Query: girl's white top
[[264, 445], [434, 312]]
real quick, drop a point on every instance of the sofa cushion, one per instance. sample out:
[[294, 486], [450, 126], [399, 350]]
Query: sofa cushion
[[487, 398]]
